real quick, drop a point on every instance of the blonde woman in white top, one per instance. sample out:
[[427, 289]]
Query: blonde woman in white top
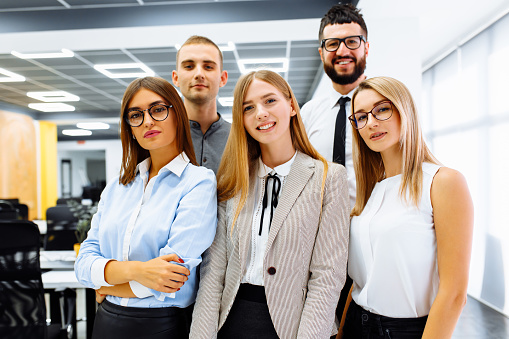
[[411, 229]]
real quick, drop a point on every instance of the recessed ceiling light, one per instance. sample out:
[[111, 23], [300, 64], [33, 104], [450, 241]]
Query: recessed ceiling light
[[64, 54], [273, 64], [145, 71], [52, 107], [10, 76], [53, 96], [76, 132], [226, 101], [228, 47], [92, 125]]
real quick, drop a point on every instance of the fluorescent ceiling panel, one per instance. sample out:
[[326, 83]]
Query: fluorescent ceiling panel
[[274, 64], [52, 107], [54, 96], [65, 53], [104, 69], [92, 125], [10, 76], [76, 132]]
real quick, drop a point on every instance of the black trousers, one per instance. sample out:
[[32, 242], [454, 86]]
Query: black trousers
[[113, 321], [361, 324], [249, 316]]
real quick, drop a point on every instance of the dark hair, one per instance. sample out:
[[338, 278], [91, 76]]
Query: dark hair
[[201, 40], [132, 152], [342, 14]]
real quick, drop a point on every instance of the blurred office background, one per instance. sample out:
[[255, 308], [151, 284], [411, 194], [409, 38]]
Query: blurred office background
[[452, 54]]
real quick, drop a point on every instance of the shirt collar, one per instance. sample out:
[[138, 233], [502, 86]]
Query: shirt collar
[[281, 170], [176, 166], [334, 96], [215, 125]]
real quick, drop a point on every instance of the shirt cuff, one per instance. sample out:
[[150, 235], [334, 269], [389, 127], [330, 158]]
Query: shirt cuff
[[139, 290], [97, 273]]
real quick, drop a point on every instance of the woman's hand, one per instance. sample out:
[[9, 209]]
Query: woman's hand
[[161, 275], [99, 297]]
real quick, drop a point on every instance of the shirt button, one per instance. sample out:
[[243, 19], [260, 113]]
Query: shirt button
[[195, 124], [365, 317], [204, 159], [204, 138], [271, 270]]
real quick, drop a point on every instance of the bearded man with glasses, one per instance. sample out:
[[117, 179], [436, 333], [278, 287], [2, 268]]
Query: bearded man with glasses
[[343, 50]]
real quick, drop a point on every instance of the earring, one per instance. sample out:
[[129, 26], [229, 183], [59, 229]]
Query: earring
[[134, 137]]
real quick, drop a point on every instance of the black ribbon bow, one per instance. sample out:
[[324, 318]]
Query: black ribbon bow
[[276, 187]]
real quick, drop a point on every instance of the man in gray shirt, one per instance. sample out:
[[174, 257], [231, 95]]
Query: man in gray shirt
[[199, 74]]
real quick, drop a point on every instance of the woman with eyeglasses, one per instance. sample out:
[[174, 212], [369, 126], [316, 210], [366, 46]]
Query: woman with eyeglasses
[[153, 222], [278, 262], [411, 227]]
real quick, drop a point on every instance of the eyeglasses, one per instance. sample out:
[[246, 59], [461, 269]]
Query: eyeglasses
[[157, 112], [351, 42], [381, 112]]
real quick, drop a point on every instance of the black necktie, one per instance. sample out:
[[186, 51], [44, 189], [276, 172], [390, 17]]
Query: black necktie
[[276, 186], [338, 153]]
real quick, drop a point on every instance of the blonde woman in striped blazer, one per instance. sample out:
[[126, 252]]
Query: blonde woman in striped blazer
[[278, 261]]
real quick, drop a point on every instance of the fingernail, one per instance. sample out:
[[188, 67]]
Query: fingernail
[[181, 261]]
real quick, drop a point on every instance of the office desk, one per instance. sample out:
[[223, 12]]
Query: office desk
[[57, 260], [61, 276]]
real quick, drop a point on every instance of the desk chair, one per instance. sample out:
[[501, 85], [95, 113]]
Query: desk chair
[[22, 210], [61, 227], [60, 217], [22, 304], [8, 211]]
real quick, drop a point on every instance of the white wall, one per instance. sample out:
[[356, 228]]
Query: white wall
[[110, 149]]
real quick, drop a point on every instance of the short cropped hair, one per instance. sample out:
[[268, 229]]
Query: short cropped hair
[[343, 14], [201, 40]]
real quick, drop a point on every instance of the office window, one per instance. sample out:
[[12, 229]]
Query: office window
[[465, 114]]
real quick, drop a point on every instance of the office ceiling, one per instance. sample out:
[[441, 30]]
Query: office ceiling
[[100, 96]]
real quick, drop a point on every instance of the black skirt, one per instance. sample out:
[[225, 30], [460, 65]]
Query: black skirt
[[113, 321], [249, 316]]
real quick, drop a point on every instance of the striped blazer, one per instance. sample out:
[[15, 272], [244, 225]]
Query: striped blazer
[[308, 253]]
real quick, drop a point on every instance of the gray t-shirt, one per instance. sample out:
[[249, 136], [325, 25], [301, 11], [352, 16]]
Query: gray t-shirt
[[209, 147]]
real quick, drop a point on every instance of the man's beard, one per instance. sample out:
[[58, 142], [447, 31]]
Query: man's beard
[[345, 79]]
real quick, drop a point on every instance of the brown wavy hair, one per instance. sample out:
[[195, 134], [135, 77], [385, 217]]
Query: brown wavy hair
[[132, 152]]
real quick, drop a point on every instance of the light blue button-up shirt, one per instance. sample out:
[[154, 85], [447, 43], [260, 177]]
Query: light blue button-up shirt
[[174, 212]]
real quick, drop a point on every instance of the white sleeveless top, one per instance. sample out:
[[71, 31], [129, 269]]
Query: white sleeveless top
[[393, 251]]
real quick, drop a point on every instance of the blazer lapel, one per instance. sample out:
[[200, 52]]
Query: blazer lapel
[[301, 171]]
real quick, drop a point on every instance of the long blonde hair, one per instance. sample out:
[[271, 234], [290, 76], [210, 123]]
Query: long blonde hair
[[242, 151], [368, 164]]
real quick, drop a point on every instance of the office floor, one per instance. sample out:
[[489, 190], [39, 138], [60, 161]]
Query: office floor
[[481, 322], [477, 321]]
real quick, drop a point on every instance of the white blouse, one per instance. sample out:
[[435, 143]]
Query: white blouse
[[393, 251], [255, 271]]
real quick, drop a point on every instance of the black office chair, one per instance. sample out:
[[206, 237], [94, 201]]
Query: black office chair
[[61, 228], [22, 304], [60, 217], [8, 211], [22, 210]]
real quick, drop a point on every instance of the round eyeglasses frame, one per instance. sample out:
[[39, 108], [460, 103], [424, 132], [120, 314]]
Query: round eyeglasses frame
[[355, 123], [360, 37], [150, 112]]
